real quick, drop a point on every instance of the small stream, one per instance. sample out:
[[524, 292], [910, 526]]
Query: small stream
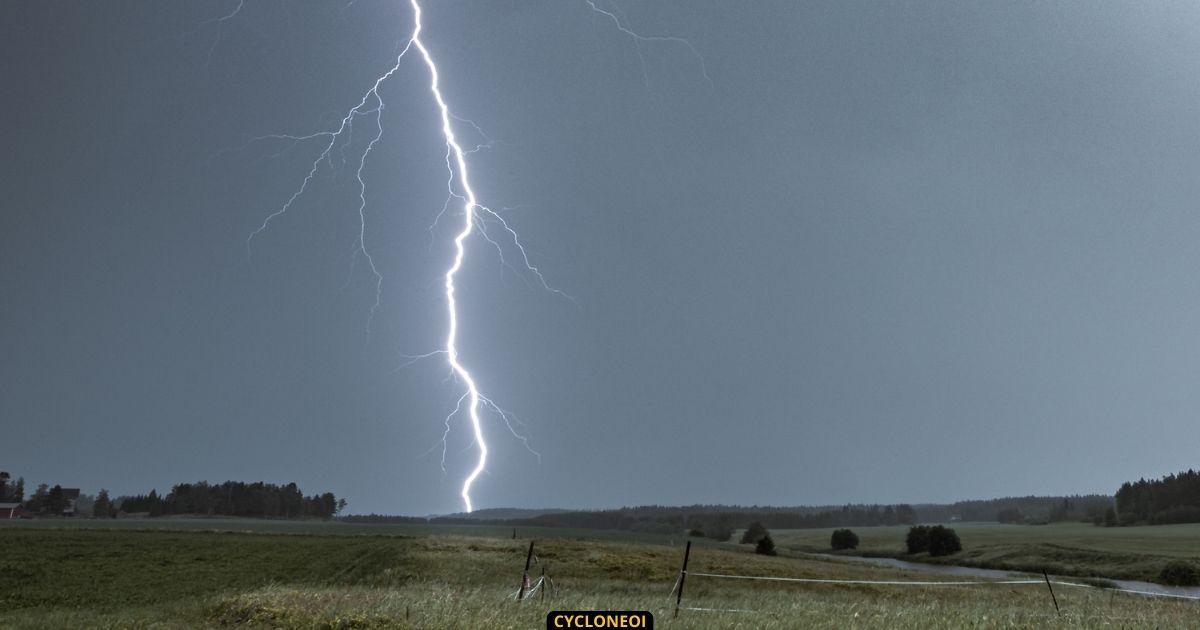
[[948, 569]]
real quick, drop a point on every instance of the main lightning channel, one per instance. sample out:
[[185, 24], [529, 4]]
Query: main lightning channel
[[469, 205], [476, 217]]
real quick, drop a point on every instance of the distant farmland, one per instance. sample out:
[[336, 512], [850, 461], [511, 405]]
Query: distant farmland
[[1136, 553], [284, 574]]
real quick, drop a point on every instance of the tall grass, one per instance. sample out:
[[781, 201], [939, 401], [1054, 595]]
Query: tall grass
[[136, 579]]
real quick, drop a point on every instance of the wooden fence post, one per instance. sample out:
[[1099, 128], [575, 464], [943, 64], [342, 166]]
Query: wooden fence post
[[525, 574], [687, 551], [1052, 597]]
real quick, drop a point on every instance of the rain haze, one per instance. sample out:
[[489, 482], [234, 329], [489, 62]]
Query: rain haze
[[846, 249]]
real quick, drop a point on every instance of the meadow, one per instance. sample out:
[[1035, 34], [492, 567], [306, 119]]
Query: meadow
[[1080, 549], [132, 576]]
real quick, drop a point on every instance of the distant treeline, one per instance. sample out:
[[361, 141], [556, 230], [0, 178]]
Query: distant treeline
[[1172, 499], [1019, 509], [717, 521], [676, 519], [234, 498], [618, 518], [420, 520], [713, 521]]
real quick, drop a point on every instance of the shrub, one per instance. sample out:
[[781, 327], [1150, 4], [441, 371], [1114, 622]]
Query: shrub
[[696, 532], [753, 533], [943, 541], [843, 539], [765, 546], [1179, 573], [917, 540]]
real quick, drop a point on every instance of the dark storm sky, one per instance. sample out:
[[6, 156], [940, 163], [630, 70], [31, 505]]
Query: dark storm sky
[[895, 252]]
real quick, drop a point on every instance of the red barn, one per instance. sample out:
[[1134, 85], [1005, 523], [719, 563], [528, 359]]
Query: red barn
[[13, 510]]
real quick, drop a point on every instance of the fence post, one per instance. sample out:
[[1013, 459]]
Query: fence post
[[687, 551], [525, 574], [543, 580], [1052, 597]]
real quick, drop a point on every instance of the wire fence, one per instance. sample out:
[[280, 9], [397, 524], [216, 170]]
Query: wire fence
[[681, 580], [769, 578], [542, 584]]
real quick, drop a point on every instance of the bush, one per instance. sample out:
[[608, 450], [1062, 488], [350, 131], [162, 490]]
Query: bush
[[1179, 573], [765, 546], [753, 533], [917, 540], [843, 539], [696, 532], [943, 541]]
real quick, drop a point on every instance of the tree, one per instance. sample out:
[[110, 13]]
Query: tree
[[85, 505], [943, 541], [327, 505], [765, 546], [37, 502], [1061, 512], [917, 540], [1179, 573], [1110, 517], [905, 514], [155, 504], [754, 532], [103, 506], [55, 501], [4, 490], [1010, 515], [843, 539], [18, 493], [721, 529]]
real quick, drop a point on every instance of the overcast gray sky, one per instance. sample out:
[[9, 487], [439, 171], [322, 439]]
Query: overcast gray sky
[[915, 251]]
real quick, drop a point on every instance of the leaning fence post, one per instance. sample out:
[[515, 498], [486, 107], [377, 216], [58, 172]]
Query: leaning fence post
[[1052, 597], [525, 574], [687, 551]]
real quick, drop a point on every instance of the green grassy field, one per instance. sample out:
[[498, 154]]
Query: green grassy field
[[1135, 553], [135, 578]]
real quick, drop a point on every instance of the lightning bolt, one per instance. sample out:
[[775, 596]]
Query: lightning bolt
[[475, 218], [468, 224]]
